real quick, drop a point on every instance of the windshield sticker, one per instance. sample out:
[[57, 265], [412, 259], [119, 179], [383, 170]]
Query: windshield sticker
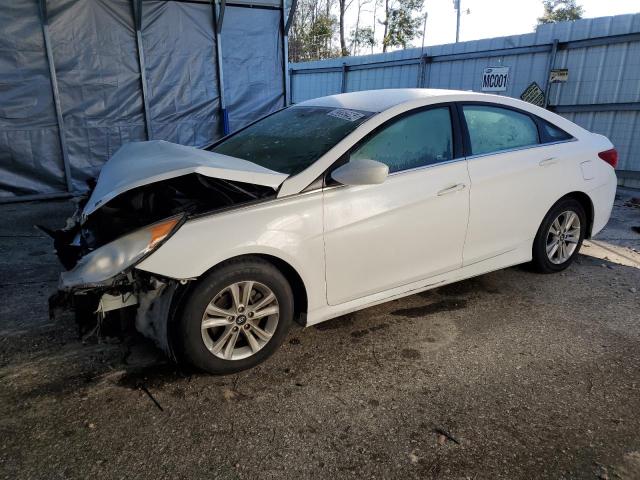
[[349, 115]]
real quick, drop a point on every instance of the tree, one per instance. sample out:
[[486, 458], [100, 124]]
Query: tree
[[362, 37], [358, 37], [400, 25], [343, 5], [312, 31], [560, 11]]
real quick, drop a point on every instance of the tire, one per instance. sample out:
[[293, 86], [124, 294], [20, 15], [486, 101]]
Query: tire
[[569, 237], [211, 301]]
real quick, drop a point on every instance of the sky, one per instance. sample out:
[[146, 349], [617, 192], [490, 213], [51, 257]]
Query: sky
[[488, 18]]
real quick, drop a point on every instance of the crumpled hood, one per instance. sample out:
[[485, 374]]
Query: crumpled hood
[[141, 163]]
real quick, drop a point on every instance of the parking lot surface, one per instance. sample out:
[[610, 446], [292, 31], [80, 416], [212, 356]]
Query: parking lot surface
[[508, 375]]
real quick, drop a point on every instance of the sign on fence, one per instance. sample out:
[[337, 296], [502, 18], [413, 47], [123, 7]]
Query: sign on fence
[[559, 75], [494, 79], [533, 94]]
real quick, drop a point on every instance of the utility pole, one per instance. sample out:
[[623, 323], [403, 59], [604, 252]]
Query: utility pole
[[456, 5], [424, 31]]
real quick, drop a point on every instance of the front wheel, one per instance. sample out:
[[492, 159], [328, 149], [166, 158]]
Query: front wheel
[[560, 236], [236, 317]]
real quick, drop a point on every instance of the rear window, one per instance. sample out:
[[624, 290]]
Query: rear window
[[292, 139], [551, 133]]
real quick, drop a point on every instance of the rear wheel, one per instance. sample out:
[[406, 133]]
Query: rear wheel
[[236, 317], [560, 236]]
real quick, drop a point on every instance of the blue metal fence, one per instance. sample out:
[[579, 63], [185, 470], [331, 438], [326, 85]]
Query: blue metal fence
[[602, 92]]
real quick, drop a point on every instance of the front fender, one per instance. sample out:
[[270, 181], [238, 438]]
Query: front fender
[[289, 229]]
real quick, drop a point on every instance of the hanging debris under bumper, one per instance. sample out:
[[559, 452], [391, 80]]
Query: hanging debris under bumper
[[145, 301]]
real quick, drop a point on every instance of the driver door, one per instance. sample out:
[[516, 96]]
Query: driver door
[[412, 226]]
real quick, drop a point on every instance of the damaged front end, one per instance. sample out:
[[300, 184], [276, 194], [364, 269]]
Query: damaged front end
[[111, 233], [101, 282], [134, 300]]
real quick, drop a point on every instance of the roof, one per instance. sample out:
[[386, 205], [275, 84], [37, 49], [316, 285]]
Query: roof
[[380, 100]]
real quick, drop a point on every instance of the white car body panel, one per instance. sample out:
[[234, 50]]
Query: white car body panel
[[356, 246], [140, 163], [392, 226], [289, 229], [508, 190]]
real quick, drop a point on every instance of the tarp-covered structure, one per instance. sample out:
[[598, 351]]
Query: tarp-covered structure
[[79, 78]]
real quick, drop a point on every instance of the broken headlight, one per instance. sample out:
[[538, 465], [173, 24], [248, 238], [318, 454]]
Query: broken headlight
[[114, 257]]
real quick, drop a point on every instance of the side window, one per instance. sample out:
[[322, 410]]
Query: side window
[[492, 129], [551, 133], [419, 139]]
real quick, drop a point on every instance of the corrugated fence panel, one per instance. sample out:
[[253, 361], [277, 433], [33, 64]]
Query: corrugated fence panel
[[602, 93], [374, 78], [622, 128], [315, 85]]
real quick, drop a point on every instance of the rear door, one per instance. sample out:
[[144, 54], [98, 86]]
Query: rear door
[[517, 171], [408, 228]]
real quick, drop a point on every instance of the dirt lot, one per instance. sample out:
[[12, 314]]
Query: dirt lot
[[509, 375]]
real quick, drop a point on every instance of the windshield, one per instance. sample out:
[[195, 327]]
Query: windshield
[[292, 139]]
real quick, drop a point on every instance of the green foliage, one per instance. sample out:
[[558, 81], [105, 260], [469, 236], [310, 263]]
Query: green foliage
[[318, 33], [401, 24], [312, 32], [362, 38], [560, 11]]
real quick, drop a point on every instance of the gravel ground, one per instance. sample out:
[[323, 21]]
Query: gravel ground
[[508, 375]]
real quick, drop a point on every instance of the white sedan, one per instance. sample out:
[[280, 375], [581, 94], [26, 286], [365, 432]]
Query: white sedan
[[327, 207]]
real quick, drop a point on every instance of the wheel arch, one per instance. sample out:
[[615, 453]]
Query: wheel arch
[[587, 204], [297, 284], [298, 287]]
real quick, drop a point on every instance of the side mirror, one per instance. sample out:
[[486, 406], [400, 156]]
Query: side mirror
[[361, 172]]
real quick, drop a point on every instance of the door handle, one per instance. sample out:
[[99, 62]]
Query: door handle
[[455, 188], [548, 161]]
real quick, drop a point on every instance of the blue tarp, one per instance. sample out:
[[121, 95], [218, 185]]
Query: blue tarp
[[93, 43]]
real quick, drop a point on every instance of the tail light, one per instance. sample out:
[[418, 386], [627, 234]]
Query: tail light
[[610, 156]]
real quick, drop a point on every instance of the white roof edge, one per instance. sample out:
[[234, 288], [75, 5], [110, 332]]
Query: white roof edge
[[379, 100]]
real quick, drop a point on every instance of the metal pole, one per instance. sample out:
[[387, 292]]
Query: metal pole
[[288, 87], [550, 65], [287, 77], [427, 75], [137, 18], [421, 67], [286, 25], [343, 81], [424, 31], [44, 20], [457, 3], [422, 60], [218, 17], [292, 72]]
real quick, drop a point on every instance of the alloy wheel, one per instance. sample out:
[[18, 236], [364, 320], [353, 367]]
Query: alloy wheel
[[240, 320], [563, 237]]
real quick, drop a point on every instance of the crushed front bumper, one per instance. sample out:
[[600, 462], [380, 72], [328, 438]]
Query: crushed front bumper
[[147, 301]]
